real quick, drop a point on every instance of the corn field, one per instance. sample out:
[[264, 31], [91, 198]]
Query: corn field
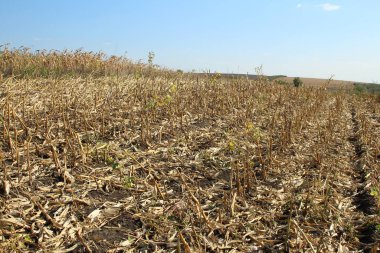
[[99, 154]]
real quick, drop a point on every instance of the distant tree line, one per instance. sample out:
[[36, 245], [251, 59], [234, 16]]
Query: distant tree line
[[372, 88]]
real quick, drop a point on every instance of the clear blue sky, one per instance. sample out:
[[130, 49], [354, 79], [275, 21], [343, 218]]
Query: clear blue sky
[[297, 38]]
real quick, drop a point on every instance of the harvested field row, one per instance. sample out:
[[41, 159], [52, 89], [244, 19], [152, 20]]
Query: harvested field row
[[180, 163]]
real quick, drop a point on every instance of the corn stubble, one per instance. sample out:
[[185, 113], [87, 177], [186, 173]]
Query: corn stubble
[[128, 157]]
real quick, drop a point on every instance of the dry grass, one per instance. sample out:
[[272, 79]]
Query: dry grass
[[22, 63], [162, 162]]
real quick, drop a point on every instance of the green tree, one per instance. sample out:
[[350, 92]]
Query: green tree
[[297, 82], [151, 56]]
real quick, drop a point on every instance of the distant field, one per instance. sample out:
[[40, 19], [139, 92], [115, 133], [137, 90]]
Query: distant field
[[315, 82], [307, 82]]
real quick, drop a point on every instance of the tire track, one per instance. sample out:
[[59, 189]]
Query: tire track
[[363, 200]]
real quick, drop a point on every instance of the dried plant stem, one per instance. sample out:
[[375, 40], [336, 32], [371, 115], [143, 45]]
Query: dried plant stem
[[27, 149], [81, 239], [304, 235]]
